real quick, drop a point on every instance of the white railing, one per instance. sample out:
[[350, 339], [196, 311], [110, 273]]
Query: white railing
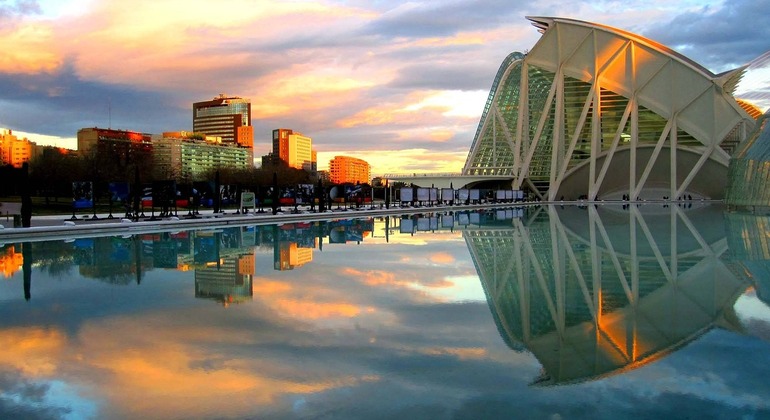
[[414, 175]]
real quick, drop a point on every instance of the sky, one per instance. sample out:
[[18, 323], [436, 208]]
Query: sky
[[390, 82]]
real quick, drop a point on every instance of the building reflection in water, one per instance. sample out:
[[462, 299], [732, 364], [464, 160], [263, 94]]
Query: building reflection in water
[[590, 291], [223, 260], [597, 291]]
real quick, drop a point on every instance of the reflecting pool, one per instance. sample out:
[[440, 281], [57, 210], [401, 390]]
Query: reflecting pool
[[607, 311]]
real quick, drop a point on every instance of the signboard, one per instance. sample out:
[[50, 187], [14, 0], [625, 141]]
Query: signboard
[[447, 221], [204, 191], [228, 194], [288, 196], [305, 193], [423, 224], [519, 195], [248, 200], [118, 191], [82, 195], [407, 226], [509, 194], [463, 195], [406, 194], [447, 194], [475, 195], [500, 195], [423, 194]]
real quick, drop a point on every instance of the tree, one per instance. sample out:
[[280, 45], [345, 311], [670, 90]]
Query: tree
[[52, 172]]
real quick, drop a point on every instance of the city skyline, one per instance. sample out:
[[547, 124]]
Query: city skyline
[[383, 82]]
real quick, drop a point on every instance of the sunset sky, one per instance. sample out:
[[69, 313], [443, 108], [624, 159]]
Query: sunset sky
[[401, 84]]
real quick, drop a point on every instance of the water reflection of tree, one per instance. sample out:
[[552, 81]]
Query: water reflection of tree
[[56, 258], [108, 259]]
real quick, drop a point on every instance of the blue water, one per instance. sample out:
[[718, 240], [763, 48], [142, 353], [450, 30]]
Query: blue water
[[608, 311]]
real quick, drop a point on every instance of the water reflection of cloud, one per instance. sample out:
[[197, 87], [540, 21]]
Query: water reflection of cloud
[[356, 333]]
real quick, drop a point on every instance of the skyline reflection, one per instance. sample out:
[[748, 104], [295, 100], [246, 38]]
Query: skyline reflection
[[403, 315]]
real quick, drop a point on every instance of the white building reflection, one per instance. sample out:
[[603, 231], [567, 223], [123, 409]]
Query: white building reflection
[[597, 291]]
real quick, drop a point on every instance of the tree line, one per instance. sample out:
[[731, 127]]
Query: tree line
[[52, 173]]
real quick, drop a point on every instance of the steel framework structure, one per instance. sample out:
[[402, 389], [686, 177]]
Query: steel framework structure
[[596, 112]]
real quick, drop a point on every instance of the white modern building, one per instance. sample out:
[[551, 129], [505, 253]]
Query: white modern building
[[596, 112]]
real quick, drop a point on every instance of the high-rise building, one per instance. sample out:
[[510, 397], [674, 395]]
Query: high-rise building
[[294, 149], [186, 156], [228, 117], [349, 169], [15, 151]]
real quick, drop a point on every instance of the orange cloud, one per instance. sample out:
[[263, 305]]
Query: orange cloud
[[150, 43], [441, 135], [441, 258], [462, 353], [307, 303], [34, 351], [268, 287], [158, 372], [377, 278], [463, 38], [300, 88], [317, 310], [28, 49]]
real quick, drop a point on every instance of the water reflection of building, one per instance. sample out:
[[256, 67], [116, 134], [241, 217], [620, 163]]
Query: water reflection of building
[[750, 249], [223, 260], [10, 260], [592, 292], [112, 259], [288, 255], [227, 280]]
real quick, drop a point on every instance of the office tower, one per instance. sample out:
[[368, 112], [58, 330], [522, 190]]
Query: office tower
[[228, 117], [294, 149], [349, 169]]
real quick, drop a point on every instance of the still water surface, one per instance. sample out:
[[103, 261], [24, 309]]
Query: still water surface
[[537, 312]]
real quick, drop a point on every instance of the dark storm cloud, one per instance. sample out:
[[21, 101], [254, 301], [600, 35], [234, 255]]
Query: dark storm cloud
[[61, 103], [438, 19], [719, 39]]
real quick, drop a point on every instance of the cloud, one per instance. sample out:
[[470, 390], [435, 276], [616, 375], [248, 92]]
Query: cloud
[[722, 36], [60, 103], [356, 76], [17, 8], [441, 19], [443, 76]]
